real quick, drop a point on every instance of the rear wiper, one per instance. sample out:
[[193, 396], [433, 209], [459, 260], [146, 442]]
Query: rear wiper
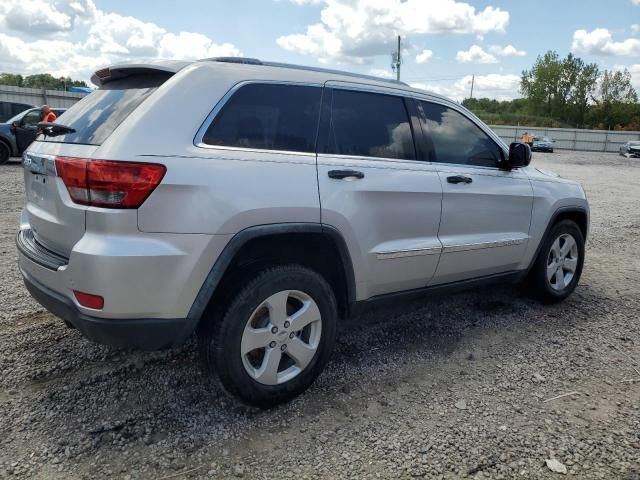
[[49, 129]]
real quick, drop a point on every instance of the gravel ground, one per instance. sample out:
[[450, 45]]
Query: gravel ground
[[450, 387]]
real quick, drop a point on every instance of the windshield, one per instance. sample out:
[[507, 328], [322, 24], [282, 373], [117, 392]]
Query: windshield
[[96, 116], [634, 144], [543, 139]]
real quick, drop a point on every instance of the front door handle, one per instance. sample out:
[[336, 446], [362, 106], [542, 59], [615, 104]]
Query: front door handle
[[341, 174], [459, 179]]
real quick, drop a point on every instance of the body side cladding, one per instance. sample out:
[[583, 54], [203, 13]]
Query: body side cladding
[[240, 239], [442, 289]]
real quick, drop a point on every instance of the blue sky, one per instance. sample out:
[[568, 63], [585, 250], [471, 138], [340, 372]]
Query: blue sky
[[493, 39]]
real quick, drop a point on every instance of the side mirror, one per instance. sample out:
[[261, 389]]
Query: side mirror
[[13, 127], [519, 156]]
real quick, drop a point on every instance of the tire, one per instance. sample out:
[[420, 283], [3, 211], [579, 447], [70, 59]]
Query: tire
[[226, 339], [558, 266], [5, 153]]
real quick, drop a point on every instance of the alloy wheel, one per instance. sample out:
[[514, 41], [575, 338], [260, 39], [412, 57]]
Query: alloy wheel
[[281, 337], [562, 262]]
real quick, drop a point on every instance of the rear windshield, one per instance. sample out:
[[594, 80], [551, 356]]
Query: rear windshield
[[97, 115]]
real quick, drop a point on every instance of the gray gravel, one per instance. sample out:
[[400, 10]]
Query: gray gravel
[[445, 387]]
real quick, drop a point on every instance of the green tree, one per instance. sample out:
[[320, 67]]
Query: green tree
[[542, 84], [617, 101], [40, 80], [12, 79]]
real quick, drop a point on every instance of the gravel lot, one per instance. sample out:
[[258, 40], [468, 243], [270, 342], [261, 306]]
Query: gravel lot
[[450, 387]]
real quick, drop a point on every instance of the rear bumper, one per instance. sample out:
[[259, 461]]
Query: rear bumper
[[145, 334]]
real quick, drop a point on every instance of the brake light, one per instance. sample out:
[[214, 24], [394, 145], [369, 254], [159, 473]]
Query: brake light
[[89, 300], [109, 184]]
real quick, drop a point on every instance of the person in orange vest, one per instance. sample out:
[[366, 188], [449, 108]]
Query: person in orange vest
[[526, 138], [47, 114]]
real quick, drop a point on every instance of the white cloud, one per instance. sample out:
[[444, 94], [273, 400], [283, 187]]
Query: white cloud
[[475, 54], [105, 38], [508, 51], [35, 17], [635, 2], [635, 29], [424, 56], [600, 42], [353, 31], [494, 85], [379, 72]]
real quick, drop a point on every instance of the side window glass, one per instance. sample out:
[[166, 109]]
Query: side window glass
[[31, 118], [268, 116], [370, 125], [456, 139]]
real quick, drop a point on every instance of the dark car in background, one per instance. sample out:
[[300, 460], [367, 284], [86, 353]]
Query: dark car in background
[[542, 144], [11, 109], [631, 148], [17, 133]]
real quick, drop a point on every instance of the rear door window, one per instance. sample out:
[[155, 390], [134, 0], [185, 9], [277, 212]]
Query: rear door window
[[370, 125], [268, 116], [97, 115]]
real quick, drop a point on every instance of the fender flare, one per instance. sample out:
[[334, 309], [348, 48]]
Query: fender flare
[[223, 261], [551, 222]]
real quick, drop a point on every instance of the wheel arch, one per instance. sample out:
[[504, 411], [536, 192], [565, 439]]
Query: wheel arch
[[8, 144], [263, 245], [577, 214]]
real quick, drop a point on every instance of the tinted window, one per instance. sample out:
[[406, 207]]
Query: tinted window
[[31, 118], [456, 139], [97, 115], [11, 109], [370, 125], [268, 116]]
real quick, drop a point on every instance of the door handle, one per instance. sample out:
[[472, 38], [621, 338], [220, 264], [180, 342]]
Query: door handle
[[459, 179], [342, 174]]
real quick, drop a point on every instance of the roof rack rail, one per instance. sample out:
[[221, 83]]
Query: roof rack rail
[[255, 61], [243, 60], [332, 71]]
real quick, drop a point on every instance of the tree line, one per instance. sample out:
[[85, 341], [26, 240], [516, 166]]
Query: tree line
[[566, 92], [40, 80]]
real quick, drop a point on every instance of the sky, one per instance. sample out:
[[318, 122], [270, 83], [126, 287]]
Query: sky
[[444, 42]]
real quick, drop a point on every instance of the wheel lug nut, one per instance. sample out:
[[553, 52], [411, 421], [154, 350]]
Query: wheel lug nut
[[286, 324], [272, 344], [274, 330], [292, 334], [283, 347]]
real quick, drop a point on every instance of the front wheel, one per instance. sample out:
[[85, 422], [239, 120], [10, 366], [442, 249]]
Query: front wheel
[[275, 338], [5, 153], [557, 269]]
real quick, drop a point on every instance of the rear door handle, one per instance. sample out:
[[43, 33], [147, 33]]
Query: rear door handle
[[341, 174], [459, 179]]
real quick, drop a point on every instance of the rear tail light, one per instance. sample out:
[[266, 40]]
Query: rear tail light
[[89, 300], [109, 184]]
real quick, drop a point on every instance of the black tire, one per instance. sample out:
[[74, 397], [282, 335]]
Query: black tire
[[537, 282], [220, 336], [5, 153]]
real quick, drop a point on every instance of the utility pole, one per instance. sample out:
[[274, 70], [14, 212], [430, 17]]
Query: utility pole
[[473, 80], [396, 60]]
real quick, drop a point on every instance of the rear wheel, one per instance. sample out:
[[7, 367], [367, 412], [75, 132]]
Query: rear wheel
[[558, 267], [275, 337], [5, 153]]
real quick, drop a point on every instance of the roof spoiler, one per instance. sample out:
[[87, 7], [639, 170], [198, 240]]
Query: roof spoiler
[[116, 72]]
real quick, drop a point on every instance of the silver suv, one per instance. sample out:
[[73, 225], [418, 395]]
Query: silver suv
[[257, 204]]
